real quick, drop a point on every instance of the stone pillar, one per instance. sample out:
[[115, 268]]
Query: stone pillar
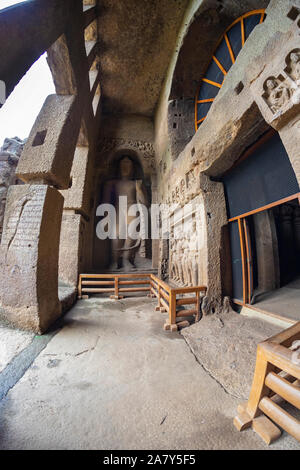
[[29, 257], [215, 220], [155, 242], [75, 218], [30, 242], [267, 252], [48, 153], [70, 248]]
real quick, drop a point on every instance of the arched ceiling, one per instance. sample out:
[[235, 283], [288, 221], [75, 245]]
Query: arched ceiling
[[137, 39]]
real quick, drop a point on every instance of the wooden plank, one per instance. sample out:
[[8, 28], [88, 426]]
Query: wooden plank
[[79, 287], [97, 283], [137, 282], [280, 357], [248, 260], [186, 313], [286, 337], [258, 389], [266, 429], [153, 291], [263, 208], [165, 304], [97, 291], [243, 255], [165, 295], [134, 289], [172, 309], [116, 287], [198, 307], [161, 283], [188, 290], [112, 276], [187, 301], [281, 417], [283, 388]]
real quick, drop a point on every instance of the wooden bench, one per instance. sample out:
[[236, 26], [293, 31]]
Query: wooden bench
[[171, 300], [276, 379]]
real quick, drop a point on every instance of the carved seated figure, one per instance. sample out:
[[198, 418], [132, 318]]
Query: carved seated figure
[[277, 94]]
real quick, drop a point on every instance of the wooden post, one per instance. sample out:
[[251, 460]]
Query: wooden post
[[116, 288], [158, 299], [243, 255], [259, 388], [79, 287], [197, 317], [172, 311]]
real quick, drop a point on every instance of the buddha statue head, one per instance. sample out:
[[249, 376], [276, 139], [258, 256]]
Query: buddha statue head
[[126, 167]]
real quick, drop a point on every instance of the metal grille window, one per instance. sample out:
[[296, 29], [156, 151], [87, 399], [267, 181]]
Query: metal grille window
[[228, 48]]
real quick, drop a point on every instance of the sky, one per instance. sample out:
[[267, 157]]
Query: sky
[[19, 112]]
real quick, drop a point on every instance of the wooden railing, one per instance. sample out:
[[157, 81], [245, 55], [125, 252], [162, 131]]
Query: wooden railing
[[114, 284], [170, 299], [169, 302], [276, 379]]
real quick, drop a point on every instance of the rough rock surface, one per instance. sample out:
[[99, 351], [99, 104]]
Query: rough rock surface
[[9, 157], [225, 345]]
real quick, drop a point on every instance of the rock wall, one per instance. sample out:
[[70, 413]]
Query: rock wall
[[10, 153], [240, 114]]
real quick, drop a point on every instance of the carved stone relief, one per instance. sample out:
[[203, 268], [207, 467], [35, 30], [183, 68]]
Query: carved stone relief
[[146, 149], [186, 239], [276, 89]]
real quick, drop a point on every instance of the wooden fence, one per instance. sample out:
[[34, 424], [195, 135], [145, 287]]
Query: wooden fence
[[171, 300], [276, 379]]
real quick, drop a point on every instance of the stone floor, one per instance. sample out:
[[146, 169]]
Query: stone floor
[[284, 302], [109, 377]]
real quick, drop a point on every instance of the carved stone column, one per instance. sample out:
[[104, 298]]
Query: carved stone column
[[29, 257], [30, 241], [267, 252], [75, 217]]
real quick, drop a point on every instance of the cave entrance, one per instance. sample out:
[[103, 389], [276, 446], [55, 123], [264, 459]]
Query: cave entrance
[[262, 195]]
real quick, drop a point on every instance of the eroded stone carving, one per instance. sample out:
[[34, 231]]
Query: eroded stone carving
[[294, 65], [108, 144], [283, 91], [124, 249], [277, 93]]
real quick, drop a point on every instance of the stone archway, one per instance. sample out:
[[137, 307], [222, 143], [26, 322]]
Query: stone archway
[[102, 249]]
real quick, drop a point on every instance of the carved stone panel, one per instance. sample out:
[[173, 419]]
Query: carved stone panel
[[276, 90], [29, 257]]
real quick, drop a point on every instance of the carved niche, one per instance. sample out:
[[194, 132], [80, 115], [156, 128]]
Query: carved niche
[[277, 88]]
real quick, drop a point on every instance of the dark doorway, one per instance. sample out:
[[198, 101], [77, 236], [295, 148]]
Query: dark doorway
[[262, 196]]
